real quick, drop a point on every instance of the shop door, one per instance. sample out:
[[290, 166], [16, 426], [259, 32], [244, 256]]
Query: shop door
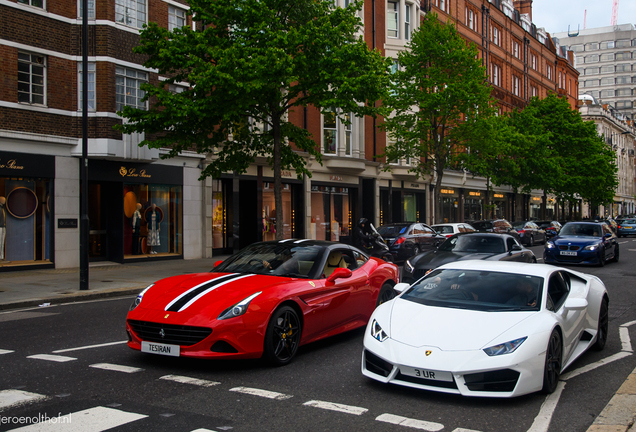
[[105, 207]]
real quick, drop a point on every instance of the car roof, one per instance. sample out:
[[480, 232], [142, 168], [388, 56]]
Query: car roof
[[485, 234], [531, 269]]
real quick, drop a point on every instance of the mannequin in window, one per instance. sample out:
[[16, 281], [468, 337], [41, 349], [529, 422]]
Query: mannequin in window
[[153, 228], [136, 226], [3, 225]]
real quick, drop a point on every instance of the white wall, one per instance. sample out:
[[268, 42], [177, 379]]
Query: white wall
[[66, 206]]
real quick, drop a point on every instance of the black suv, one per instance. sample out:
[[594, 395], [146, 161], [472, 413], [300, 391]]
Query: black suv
[[501, 226]]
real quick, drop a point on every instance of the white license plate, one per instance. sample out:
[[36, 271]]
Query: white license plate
[[568, 253], [426, 374], [159, 348]]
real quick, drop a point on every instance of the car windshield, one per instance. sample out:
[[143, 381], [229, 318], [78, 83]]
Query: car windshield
[[477, 290], [277, 259], [393, 230], [474, 244], [629, 221], [518, 225], [443, 229], [578, 229]]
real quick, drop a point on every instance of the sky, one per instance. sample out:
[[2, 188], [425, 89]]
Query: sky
[[556, 15]]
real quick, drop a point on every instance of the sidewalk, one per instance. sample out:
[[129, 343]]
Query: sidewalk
[[106, 279], [35, 287]]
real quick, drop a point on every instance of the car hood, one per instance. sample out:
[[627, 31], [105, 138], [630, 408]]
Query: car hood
[[449, 329], [576, 239], [208, 293], [434, 259]]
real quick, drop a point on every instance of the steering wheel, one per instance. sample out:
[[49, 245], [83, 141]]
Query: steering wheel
[[256, 262]]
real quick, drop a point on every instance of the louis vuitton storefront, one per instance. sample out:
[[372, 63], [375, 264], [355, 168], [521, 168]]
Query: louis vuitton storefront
[[135, 211], [26, 210]]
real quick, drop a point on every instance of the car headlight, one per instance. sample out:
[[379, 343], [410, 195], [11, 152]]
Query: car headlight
[[549, 245], [408, 266], [504, 348], [591, 247], [238, 309], [139, 297], [377, 332]]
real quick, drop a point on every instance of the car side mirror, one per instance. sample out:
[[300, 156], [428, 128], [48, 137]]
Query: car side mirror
[[608, 235], [339, 273], [401, 287], [515, 247], [575, 304], [218, 263]]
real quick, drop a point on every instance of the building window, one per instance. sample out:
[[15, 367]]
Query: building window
[[623, 43], [34, 3], [592, 46], [592, 71], [623, 68], [624, 92], [496, 36], [91, 9], [516, 86], [607, 81], [549, 71], [496, 74], [347, 131], [128, 88], [31, 78], [91, 86], [534, 91], [442, 4], [336, 132], [576, 48], [623, 80], [607, 57], [592, 58], [533, 61], [407, 22], [591, 83], [131, 12], [392, 17], [176, 18], [627, 55], [516, 49], [471, 19], [607, 69], [607, 45], [606, 93]]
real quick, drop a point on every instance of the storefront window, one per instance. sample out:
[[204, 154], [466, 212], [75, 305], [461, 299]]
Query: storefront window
[[330, 213], [219, 216], [449, 209], [535, 207], [270, 213], [473, 209], [25, 220], [152, 219], [410, 208]]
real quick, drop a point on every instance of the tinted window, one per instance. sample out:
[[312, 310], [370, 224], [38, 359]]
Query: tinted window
[[444, 229], [579, 229], [392, 230], [558, 289], [474, 244]]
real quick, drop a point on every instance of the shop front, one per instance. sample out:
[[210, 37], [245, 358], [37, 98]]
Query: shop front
[[473, 205], [407, 203], [135, 211], [333, 212], [26, 210], [535, 207], [499, 205], [450, 205]]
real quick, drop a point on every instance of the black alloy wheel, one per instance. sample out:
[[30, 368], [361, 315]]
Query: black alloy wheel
[[531, 241], [603, 325], [386, 293], [601, 257], [553, 363], [282, 337]]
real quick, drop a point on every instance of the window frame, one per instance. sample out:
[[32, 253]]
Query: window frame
[[31, 64], [91, 72], [140, 94], [30, 3], [124, 21], [172, 12], [395, 11]]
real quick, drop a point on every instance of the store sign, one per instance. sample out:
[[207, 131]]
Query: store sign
[[447, 191], [415, 185], [285, 173], [498, 195], [475, 194], [67, 223], [11, 164], [335, 178], [133, 172], [27, 165], [536, 199]]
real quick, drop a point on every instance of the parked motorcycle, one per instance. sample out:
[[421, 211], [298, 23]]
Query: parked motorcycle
[[377, 247]]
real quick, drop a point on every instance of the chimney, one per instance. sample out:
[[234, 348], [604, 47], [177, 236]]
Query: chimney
[[524, 7]]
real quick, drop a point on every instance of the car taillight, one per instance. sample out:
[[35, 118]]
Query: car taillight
[[521, 231], [400, 240], [619, 227], [448, 235]]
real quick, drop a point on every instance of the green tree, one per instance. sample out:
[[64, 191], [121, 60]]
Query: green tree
[[248, 64], [439, 102]]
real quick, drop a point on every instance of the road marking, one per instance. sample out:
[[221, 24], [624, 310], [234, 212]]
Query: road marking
[[623, 242], [51, 357], [261, 393], [542, 420], [347, 409], [90, 346], [464, 430], [632, 250], [188, 380], [93, 419], [412, 423], [594, 365], [9, 398], [623, 331], [114, 367], [3, 351]]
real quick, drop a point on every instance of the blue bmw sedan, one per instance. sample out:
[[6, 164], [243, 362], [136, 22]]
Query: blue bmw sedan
[[582, 243]]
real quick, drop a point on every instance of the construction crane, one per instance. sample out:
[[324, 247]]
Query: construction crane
[[615, 13]]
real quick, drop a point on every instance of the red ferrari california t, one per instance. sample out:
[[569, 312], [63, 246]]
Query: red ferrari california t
[[266, 300]]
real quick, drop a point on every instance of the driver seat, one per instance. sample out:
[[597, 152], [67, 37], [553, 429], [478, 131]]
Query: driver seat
[[334, 260]]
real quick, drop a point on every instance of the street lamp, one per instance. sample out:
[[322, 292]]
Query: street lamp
[[84, 226]]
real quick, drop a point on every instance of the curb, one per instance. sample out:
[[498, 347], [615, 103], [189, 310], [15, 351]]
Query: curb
[[74, 297], [620, 413]]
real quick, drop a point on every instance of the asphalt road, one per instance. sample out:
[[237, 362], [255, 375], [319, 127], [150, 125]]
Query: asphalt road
[[321, 390]]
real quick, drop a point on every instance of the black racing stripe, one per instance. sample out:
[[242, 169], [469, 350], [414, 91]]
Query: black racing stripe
[[192, 294]]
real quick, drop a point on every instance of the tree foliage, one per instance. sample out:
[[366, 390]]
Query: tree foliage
[[439, 102], [247, 65]]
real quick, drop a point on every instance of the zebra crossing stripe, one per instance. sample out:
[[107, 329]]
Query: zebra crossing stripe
[[336, 407], [9, 398], [114, 367], [3, 351], [51, 357], [93, 419], [188, 380], [262, 393], [412, 423]]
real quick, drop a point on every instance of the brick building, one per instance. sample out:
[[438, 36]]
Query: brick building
[[40, 138]]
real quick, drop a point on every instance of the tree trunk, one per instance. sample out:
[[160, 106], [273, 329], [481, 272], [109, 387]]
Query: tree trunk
[[278, 184]]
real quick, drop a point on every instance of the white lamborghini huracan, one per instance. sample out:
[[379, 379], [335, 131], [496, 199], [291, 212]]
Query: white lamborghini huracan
[[481, 328]]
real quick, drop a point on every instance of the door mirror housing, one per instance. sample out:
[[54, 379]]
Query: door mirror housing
[[339, 273]]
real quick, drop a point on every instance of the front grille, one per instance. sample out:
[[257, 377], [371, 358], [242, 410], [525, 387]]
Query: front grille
[[503, 380], [169, 333], [426, 382], [572, 248], [376, 365]]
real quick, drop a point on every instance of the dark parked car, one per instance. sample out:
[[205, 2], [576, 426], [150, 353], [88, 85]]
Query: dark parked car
[[582, 243], [467, 246], [551, 228], [627, 227], [407, 239], [530, 233], [500, 226]]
